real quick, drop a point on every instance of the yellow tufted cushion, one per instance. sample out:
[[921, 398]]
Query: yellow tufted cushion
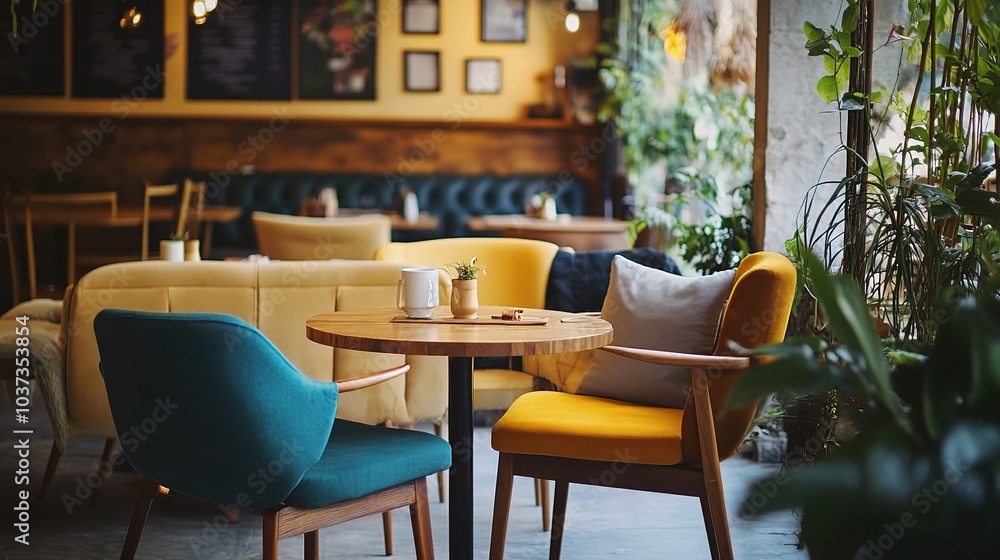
[[593, 428]]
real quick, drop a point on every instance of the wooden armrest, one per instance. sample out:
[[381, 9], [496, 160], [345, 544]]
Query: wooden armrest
[[664, 358], [355, 383]]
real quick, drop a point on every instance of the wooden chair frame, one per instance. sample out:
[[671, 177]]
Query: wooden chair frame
[[283, 522], [192, 200], [152, 191], [703, 481], [71, 203], [8, 224]]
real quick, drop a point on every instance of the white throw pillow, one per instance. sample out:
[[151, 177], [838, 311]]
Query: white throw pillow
[[655, 310]]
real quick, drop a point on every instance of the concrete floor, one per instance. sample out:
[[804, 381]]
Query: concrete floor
[[601, 523]]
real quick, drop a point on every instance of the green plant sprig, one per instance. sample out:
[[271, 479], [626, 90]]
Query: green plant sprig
[[467, 271]]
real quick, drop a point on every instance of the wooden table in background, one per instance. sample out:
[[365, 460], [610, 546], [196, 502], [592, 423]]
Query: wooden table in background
[[374, 331], [424, 221], [131, 216], [582, 233]]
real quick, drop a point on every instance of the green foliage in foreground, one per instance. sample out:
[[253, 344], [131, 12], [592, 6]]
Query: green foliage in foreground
[[922, 477]]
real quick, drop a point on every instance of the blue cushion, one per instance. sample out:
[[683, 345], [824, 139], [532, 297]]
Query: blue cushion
[[362, 459]]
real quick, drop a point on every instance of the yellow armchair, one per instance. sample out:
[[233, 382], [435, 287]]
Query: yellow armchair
[[517, 273], [576, 438]]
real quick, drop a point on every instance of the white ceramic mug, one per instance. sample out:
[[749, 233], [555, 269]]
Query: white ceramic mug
[[417, 292]]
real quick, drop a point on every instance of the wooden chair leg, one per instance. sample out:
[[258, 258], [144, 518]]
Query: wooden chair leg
[[439, 432], [546, 505], [713, 507], [713, 504], [501, 505], [538, 491], [387, 531], [420, 519], [558, 519], [311, 545], [713, 538], [50, 469], [140, 510], [270, 536]]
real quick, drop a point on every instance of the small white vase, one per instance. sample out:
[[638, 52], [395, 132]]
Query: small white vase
[[172, 250]]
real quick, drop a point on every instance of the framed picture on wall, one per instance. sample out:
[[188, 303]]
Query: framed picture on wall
[[337, 49], [421, 16], [482, 75], [422, 71], [504, 21]]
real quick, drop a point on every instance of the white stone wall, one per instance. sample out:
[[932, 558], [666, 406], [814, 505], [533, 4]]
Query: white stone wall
[[802, 132]]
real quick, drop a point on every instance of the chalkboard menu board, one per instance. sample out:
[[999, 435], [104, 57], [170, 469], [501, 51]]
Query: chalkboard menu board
[[32, 63], [111, 57], [241, 52]]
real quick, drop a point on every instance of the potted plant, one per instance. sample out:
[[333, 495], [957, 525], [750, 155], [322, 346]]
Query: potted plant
[[464, 294]]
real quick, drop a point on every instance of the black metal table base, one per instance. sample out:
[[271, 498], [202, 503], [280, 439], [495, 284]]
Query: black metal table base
[[460, 475]]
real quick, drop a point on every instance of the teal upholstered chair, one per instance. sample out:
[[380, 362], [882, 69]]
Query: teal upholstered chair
[[205, 404]]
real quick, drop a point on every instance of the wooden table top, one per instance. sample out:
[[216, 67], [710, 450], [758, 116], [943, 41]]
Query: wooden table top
[[564, 223], [126, 216], [373, 331]]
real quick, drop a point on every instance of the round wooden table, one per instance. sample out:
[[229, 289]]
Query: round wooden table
[[373, 331]]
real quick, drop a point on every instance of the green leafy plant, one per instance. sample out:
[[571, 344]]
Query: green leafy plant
[[468, 271], [921, 479], [723, 240], [685, 144], [13, 14], [910, 221]]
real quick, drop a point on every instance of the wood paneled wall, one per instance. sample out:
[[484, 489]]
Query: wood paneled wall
[[74, 153]]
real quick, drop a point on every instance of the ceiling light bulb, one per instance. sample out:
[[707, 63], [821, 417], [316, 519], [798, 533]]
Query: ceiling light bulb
[[572, 22], [198, 9], [211, 5]]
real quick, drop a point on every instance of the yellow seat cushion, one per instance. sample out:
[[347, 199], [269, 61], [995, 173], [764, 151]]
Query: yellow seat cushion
[[592, 428]]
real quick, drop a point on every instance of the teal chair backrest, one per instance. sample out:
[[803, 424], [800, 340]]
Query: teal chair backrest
[[205, 405]]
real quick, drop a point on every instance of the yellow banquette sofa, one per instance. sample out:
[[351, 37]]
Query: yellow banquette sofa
[[276, 297]]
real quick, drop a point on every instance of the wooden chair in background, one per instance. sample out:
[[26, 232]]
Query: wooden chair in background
[[152, 191], [70, 209], [192, 204], [8, 225]]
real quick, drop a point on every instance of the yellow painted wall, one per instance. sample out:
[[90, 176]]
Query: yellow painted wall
[[523, 65]]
